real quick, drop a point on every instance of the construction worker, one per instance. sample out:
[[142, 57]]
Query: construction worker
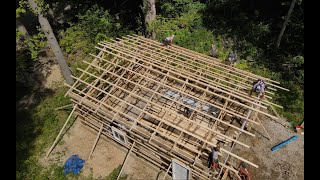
[[187, 112], [259, 87], [231, 59], [214, 51], [243, 172], [168, 40], [213, 158]]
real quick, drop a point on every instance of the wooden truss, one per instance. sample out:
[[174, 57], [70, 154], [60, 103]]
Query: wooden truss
[[169, 103]]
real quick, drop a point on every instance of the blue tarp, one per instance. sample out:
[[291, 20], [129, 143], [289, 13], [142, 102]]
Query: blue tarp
[[73, 164]]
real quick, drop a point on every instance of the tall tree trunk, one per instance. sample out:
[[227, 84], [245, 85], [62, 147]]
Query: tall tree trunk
[[53, 43], [285, 22], [150, 15]]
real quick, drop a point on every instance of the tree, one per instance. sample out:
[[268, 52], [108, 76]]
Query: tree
[[52, 41], [285, 22], [150, 15]]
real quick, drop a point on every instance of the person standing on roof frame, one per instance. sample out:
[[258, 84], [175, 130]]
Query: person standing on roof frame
[[232, 59], [168, 40], [259, 87], [243, 172], [213, 158]]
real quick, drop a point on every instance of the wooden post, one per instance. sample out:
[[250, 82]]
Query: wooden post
[[62, 107], [125, 160], [167, 172], [264, 128], [96, 141], [57, 138]]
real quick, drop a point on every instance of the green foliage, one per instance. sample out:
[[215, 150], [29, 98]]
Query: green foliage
[[114, 174], [183, 19], [74, 39], [36, 129], [93, 26], [23, 6], [42, 7], [37, 44]]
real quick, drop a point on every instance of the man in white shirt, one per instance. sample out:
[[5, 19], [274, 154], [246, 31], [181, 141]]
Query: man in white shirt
[[168, 40]]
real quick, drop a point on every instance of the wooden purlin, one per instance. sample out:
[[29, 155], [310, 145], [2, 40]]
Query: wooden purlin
[[190, 64], [200, 171], [153, 122], [191, 108], [96, 81], [216, 132], [196, 137], [75, 83], [170, 124], [173, 68], [165, 57], [145, 145], [219, 64], [186, 55], [212, 93], [155, 146], [228, 111], [111, 89]]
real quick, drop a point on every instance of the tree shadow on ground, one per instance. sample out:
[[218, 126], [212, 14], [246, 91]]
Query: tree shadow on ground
[[30, 92]]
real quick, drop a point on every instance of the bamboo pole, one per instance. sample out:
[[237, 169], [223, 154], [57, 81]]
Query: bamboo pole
[[180, 129], [188, 95], [164, 177], [57, 138], [176, 50], [196, 77], [271, 116], [125, 160], [96, 141]]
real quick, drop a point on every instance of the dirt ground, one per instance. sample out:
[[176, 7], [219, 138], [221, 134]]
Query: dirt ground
[[107, 156], [285, 163]]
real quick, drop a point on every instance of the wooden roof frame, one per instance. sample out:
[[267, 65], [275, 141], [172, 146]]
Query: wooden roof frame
[[127, 67]]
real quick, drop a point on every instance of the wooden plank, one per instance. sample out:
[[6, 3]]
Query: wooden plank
[[271, 116], [225, 175], [57, 138], [264, 128], [181, 129], [196, 58], [63, 107], [216, 132], [221, 65], [185, 94], [164, 177], [96, 141], [125, 160], [176, 61]]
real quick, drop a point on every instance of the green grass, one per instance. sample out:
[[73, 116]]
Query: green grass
[[114, 174], [36, 129]]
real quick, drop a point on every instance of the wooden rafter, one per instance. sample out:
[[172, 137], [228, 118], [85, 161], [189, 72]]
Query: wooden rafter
[[127, 84]]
